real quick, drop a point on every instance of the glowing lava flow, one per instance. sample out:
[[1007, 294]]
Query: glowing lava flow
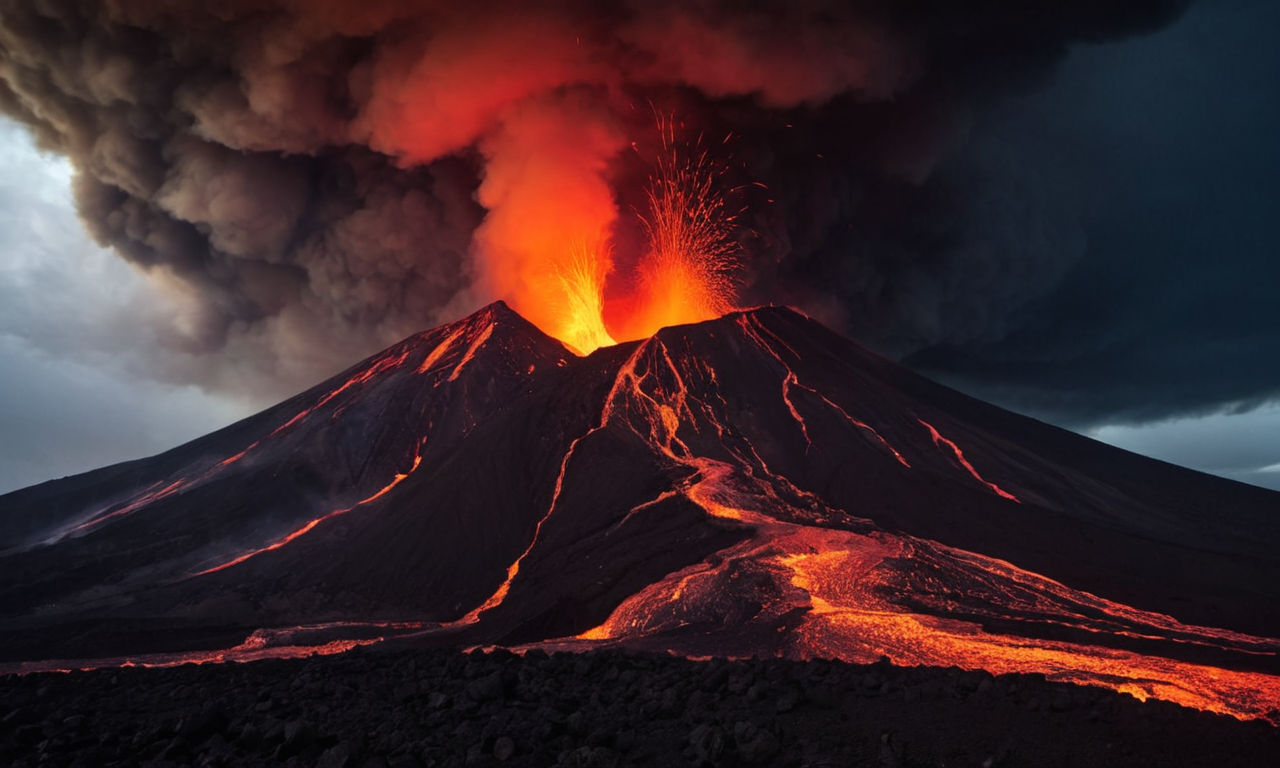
[[301, 641], [399, 478], [852, 586], [940, 441], [849, 617], [471, 351], [150, 495], [866, 593], [384, 363], [755, 331], [440, 349], [500, 593]]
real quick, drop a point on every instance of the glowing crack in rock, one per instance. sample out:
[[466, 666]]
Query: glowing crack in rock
[[149, 496], [811, 579], [871, 594], [311, 525], [384, 363], [500, 593], [324, 639], [940, 441], [859, 424], [471, 351], [755, 330], [440, 349]]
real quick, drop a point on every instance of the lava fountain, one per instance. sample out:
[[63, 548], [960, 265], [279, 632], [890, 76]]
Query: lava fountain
[[686, 275], [547, 243]]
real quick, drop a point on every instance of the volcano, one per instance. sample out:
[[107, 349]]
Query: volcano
[[754, 485]]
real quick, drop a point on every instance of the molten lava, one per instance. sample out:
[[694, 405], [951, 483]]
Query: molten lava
[[940, 441], [870, 594], [565, 262], [400, 477], [755, 460], [581, 279], [687, 276]]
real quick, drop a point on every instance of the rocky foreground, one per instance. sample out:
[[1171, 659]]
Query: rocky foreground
[[444, 708]]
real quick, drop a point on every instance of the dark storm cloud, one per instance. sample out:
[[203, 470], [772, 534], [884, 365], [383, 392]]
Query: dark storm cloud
[[1165, 153], [305, 173]]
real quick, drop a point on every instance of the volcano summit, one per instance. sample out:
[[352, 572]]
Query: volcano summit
[[750, 485]]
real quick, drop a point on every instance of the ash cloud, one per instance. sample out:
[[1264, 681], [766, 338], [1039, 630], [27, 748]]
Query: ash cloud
[[317, 179]]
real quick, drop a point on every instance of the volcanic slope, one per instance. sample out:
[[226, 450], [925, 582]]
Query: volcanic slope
[[752, 485]]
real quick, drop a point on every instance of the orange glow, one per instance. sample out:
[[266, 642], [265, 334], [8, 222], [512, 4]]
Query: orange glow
[[546, 244], [686, 275], [550, 211], [273, 643], [146, 498], [476, 343], [868, 592], [581, 279], [434, 356], [940, 441], [292, 535]]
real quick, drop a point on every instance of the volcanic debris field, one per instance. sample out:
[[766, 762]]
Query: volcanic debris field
[[445, 708]]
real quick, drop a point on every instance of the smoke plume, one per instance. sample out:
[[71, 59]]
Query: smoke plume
[[319, 177]]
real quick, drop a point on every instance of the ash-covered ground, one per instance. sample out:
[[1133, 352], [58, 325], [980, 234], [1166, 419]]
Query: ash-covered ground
[[445, 708]]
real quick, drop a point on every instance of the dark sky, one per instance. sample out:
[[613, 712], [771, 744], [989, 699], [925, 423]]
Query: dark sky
[[1094, 246], [1164, 148]]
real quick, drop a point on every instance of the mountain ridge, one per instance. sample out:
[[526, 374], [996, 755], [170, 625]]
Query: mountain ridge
[[750, 485]]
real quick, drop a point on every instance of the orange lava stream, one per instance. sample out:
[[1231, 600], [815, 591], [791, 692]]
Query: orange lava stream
[[399, 478], [384, 363], [787, 382], [847, 581], [141, 501], [940, 441], [273, 643], [855, 586], [500, 594], [150, 496], [440, 349], [859, 424], [755, 331], [846, 618], [640, 508], [471, 351]]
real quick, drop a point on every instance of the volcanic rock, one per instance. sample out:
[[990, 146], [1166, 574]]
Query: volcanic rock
[[754, 485]]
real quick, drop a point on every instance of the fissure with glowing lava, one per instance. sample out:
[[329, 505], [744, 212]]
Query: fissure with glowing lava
[[745, 433]]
